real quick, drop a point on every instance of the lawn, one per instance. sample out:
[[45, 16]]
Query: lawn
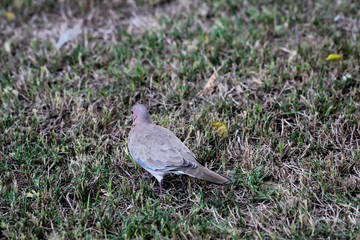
[[292, 118]]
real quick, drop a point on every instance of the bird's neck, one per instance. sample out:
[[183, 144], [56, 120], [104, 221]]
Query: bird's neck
[[141, 121]]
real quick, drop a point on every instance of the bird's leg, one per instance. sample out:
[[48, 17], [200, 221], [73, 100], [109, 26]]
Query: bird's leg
[[159, 177], [148, 176], [161, 187]]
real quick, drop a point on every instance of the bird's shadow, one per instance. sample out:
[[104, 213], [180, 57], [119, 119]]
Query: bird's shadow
[[173, 182], [184, 185], [182, 189]]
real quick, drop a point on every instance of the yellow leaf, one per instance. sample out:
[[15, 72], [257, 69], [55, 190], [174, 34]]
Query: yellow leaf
[[30, 195], [220, 128], [335, 57], [10, 15]]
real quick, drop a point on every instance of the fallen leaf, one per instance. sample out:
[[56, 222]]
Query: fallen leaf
[[32, 194], [209, 87], [29, 195], [256, 80], [335, 57], [337, 18], [7, 46], [203, 10], [10, 16], [346, 77], [304, 77], [292, 53], [220, 128], [69, 35]]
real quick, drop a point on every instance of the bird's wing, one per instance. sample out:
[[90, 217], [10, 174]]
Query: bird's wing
[[156, 148]]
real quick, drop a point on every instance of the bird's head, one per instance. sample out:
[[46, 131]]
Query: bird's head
[[140, 115]]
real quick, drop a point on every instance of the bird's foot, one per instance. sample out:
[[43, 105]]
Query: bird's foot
[[148, 176], [161, 188]]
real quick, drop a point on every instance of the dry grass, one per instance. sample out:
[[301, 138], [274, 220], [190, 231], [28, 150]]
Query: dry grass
[[293, 118]]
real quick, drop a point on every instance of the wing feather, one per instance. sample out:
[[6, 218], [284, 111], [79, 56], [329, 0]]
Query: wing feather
[[158, 149]]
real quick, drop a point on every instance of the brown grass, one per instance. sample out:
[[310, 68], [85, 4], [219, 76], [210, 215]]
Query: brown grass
[[292, 118]]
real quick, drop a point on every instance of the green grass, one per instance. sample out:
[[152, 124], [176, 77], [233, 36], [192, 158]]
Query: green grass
[[292, 118]]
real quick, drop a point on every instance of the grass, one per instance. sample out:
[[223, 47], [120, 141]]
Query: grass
[[292, 118]]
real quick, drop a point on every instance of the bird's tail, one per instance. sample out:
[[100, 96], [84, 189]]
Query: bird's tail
[[205, 174]]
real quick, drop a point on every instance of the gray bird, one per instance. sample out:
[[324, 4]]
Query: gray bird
[[160, 152]]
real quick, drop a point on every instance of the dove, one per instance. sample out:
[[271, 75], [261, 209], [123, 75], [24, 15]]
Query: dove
[[160, 152]]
